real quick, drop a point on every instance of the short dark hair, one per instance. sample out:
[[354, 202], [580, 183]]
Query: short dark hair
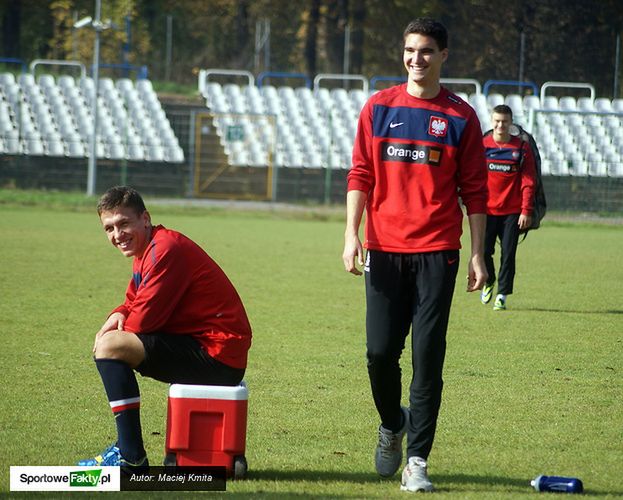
[[503, 109], [121, 196], [428, 27]]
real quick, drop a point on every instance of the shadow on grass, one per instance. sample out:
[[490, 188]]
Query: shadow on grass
[[569, 311], [365, 477], [313, 475]]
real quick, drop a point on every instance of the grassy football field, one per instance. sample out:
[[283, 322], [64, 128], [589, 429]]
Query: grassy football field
[[536, 389]]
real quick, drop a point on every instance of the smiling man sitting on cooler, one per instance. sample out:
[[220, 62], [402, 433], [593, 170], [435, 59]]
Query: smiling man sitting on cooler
[[182, 321]]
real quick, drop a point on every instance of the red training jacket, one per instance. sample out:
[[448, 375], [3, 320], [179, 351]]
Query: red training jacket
[[176, 288], [510, 183], [414, 157]]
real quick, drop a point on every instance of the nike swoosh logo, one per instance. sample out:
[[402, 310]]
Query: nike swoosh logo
[[394, 125], [451, 261]]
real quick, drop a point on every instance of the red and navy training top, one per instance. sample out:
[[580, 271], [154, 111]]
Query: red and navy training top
[[414, 158], [510, 181], [177, 288]]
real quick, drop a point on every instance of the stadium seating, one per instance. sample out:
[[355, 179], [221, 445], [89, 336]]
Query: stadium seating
[[316, 128], [53, 117], [299, 118], [290, 127]]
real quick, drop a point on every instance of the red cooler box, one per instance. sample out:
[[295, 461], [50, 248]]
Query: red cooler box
[[207, 426]]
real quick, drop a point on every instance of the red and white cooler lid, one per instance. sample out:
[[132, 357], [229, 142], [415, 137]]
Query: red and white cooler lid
[[236, 393]]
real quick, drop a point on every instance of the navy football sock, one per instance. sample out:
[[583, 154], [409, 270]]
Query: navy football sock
[[125, 401]]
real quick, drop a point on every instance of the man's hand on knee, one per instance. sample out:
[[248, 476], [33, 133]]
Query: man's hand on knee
[[114, 322]]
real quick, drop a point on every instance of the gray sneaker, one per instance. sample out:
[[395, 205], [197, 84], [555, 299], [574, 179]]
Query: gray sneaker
[[415, 476], [388, 455]]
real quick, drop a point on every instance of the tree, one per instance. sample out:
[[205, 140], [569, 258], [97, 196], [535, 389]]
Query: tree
[[11, 23], [127, 41], [311, 37], [26, 29], [336, 19], [571, 40], [358, 19]]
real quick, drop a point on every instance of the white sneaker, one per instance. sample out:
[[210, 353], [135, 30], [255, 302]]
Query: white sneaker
[[415, 476], [500, 303], [388, 455]]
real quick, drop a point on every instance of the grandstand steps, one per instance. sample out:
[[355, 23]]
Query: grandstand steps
[[212, 151]]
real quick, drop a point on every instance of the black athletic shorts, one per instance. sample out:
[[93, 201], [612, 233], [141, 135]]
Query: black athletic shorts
[[180, 359]]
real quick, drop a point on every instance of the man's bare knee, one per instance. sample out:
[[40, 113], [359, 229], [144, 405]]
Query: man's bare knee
[[122, 346]]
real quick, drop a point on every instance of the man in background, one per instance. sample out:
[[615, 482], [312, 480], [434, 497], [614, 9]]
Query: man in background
[[511, 181]]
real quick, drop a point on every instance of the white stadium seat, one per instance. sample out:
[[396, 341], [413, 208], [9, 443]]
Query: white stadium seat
[[66, 82], [567, 103], [135, 152], [586, 104], [55, 148], [550, 102], [116, 151], [12, 144], [35, 147], [75, 149], [26, 81], [515, 102], [603, 104], [7, 79], [174, 154], [155, 153], [494, 99]]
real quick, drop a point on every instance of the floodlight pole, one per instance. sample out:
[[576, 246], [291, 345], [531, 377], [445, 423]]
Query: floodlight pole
[[98, 27]]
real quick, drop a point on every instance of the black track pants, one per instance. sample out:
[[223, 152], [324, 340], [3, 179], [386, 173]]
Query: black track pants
[[406, 291], [506, 228]]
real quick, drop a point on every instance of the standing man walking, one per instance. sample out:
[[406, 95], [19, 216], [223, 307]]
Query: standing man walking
[[418, 148], [511, 181]]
